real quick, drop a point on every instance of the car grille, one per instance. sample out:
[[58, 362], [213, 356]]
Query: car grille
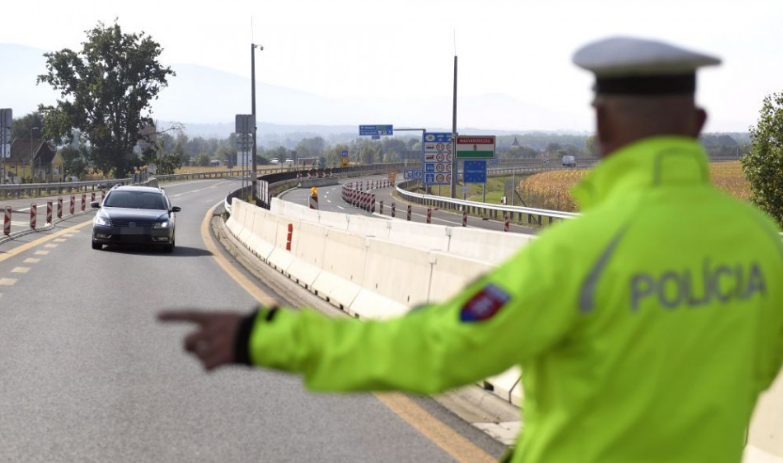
[[122, 223]]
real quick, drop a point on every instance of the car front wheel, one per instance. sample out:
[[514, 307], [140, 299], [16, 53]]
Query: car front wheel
[[97, 246]]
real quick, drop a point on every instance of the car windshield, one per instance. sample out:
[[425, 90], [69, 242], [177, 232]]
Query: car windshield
[[135, 200]]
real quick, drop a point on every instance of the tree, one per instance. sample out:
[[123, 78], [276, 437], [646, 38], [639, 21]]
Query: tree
[[23, 126], [168, 164], [202, 160], [591, 147], [107, 88], [763, 165], [74, 160]]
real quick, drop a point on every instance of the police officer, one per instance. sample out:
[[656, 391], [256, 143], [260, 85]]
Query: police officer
[[646, 328]]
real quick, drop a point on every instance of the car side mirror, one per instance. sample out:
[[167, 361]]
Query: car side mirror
[[95, 204], [176, 209]]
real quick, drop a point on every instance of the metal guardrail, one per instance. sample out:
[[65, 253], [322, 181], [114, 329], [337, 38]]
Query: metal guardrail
[[496, 211]]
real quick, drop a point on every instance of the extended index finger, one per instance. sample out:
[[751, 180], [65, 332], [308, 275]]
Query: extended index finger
[[193, 316]]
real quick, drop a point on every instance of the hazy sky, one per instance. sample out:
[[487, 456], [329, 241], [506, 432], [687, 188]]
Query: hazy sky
[[405, 48]]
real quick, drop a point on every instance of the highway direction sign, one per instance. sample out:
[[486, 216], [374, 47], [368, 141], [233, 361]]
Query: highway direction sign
[[476, 147], [474, 171], [6, 120], [437, 158], [376, 130]]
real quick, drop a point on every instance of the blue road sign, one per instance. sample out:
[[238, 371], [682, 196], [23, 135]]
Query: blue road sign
[[344, 153], [413, 174], [474, 171], [376, 130], [493, 162]]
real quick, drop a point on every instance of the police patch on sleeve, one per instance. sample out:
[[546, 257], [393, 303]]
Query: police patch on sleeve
[[484, 305]]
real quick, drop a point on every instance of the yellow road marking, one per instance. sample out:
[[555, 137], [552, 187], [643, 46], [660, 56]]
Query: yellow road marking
[[7, 281], [460, 448], [20, 270], [31, 260], [244, 282], [27, 246]]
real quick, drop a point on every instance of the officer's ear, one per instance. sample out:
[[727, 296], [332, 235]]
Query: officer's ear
[[700, 117], [603, 128]]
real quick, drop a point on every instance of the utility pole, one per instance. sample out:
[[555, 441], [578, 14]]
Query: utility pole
[[454, 163], [254, 182]]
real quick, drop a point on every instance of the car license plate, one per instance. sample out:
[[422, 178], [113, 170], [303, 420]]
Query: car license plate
[[132, 231]]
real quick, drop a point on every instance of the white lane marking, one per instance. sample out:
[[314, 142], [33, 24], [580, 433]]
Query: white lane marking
[[31, 260], [59, 240], [41, 253], [20, 270], [340, 207], [329, 201], [7, 281], [50, 246]]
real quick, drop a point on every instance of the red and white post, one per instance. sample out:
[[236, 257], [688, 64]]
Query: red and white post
[[7, 223], [92, 196], [60, 207], [48, 212], [410, 211], [507, 224], [290, 236], [380, 208], [394, 210], [464, 218], [372, 203], [429, 215], [33, 215], [84, 200], [73, 204]]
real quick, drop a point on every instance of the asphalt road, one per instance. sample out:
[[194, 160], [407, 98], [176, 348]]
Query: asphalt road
[[330, 199], [88, 375]]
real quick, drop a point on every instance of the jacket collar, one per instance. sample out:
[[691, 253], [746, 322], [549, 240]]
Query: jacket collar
[[649, 163]]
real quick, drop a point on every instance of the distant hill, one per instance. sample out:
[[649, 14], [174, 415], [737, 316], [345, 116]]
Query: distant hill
[[206, 100]]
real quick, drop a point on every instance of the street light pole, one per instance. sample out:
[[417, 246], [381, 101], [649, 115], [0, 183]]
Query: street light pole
[[31, 151], [255, 125]]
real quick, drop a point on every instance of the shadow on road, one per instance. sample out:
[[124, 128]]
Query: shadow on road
[[179, 251]]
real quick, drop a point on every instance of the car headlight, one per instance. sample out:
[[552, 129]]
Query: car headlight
[[164, 224], [102, 220]]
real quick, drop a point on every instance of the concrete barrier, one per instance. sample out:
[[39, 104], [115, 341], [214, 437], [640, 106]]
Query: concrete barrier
[[486, 245], [258, 243], [766, 428], [400, 273], [450, 274], [309, 253], [368, 226], [420, 235]]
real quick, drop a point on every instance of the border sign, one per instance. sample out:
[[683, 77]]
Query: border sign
[[437, 158], [476, 147], [474, 171]]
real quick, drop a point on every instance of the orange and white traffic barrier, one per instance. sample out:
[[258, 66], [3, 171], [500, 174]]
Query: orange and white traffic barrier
[[48, 212], [506, 225], [33, 215], [73, 204], [290, 236], [7, 223], [410, 211], [429, 215], [313, 202], [464, 218], [84, 200], [60, 207]]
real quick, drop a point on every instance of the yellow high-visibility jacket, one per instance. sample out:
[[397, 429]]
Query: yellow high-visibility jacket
[[645, 328]]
